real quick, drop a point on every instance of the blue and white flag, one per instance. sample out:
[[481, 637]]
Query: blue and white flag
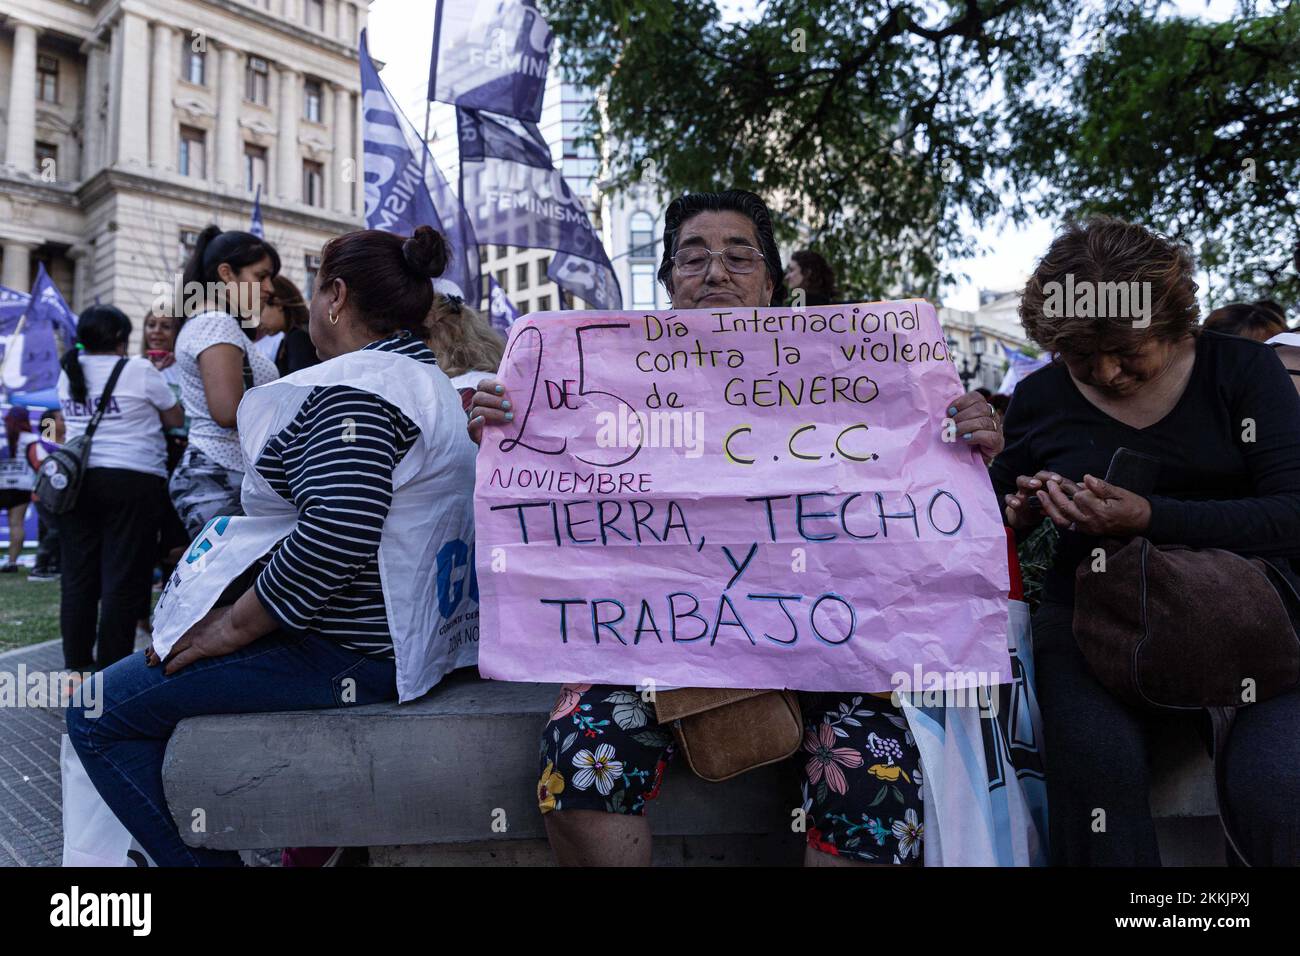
[[398, 198], [256, 227], [490, 55], [501, 311], [35, 345], [516, 197], [1019, 365], [13, 305]]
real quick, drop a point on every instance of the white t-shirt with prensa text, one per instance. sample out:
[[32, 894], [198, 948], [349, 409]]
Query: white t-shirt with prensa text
[[130, 435]]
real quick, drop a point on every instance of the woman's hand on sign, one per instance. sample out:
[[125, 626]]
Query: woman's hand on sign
[[971, 421], [1104, 510], [1024, 509], [489, 407]]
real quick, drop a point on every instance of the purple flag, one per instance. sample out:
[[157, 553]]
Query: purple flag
[[398, 198], [515, 197], [490, 55], [31, 361], [501, 311], [256, 227]]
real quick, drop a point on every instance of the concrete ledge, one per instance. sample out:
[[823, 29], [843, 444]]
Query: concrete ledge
[[453, 767], [451, 779]]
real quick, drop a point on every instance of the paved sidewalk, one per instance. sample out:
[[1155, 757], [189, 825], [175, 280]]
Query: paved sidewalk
[[31, 815]]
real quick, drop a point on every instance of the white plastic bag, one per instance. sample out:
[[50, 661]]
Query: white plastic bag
[[92, 834]]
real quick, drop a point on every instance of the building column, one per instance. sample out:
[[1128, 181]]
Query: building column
[[20, 135], [331, 24], [17, 272], [161, 126], [133, 77], [344, 173], [288, 185], [83, 257], [229, 145], [92, 154]]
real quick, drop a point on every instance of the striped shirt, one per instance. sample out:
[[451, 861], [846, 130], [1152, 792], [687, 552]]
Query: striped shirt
[[335, 462]]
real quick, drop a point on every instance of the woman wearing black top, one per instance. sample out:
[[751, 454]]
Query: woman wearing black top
[[1220, 414]]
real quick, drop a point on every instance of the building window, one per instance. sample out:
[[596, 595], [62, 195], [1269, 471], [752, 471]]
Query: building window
[[543, 264], [193, 148], [313, 183], [47, 78], [544, 303], [311, 266], [188, 239], [44, 152], [314, 11], [643, 285], [643, 236], [502, 251], [254, 167], [311, 99], [195, 63], [256, 80], [503, 279], [521, 276]]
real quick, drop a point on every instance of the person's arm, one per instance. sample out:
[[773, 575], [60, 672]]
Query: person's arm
[[1266, 410], [160, 395], [221, 367], [1015, 460], [340, 474]]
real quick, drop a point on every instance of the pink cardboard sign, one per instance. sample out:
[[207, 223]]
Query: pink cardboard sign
[[744, 498]]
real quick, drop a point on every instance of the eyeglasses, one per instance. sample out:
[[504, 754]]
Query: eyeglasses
[[739, 260]]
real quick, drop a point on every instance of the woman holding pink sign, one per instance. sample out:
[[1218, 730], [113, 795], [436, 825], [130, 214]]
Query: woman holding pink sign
[[603, 751]]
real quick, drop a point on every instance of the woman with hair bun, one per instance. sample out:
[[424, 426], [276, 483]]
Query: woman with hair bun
[[226, 279], [350, 579]]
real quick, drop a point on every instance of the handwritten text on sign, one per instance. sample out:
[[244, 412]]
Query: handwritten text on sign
[[744, 498]]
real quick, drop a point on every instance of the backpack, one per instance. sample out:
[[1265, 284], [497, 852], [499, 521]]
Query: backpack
[[58, 483]]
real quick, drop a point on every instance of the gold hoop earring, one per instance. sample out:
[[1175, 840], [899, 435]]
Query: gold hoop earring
[[334, 319]]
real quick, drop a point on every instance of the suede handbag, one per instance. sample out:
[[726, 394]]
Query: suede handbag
[[1172, 628], [723, 733]]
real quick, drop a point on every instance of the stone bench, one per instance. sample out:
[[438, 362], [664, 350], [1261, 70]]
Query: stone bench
[[451, 779]]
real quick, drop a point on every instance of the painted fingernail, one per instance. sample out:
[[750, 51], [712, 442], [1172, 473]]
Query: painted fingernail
[[966, 436], [510, 416], [952, 409], [505, 404], [476, 421], [499, 389]]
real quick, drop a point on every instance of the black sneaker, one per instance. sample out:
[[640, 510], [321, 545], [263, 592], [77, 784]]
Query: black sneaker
[[43, 575], [8, 568]]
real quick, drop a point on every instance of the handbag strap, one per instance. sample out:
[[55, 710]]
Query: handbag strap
[[1221, 721], [103, 399], [248, 372]]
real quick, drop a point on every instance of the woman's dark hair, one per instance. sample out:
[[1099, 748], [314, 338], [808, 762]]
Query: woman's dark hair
[[17, 420], [387, 275], [236, 249], [291, 303], [1254, 320], [101, 328], [1108, 252], [683, 208], [818, 278]]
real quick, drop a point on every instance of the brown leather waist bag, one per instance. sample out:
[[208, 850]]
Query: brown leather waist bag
[[723, 732], [1174, 628]]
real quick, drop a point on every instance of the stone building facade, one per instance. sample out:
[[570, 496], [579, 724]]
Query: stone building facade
[[129, 125]]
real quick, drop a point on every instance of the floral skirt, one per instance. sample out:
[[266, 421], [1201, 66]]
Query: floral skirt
[[861, 776]]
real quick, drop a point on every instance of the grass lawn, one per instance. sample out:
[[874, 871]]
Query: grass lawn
[[29, 610]]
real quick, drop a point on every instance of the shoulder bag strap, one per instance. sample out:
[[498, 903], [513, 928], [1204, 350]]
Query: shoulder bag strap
[[103, 399], [1221, 721], [248, 372]]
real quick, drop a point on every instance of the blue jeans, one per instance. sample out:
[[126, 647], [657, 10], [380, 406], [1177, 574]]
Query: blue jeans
[[122, 749]]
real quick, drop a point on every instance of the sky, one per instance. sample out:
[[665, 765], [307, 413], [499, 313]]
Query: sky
[[401, 34]]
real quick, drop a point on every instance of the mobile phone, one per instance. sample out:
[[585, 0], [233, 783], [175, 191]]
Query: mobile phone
[[1133, 471]]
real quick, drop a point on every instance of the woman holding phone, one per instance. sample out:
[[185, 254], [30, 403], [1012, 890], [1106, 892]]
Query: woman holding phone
[[1219, 415]]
